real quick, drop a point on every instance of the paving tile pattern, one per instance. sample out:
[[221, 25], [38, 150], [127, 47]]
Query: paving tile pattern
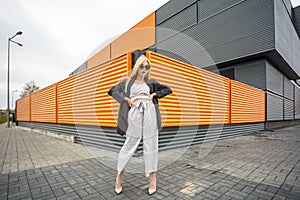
[[264, 165]]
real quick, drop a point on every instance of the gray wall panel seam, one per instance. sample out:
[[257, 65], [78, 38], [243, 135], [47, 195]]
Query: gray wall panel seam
[[176, 13], [221, 11], [286, 9]]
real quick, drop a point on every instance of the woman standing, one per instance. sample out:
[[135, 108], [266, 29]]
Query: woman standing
[[139, 117]]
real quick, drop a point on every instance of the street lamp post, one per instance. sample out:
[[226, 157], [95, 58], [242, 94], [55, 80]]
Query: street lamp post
[[10, 40], [12, 99]]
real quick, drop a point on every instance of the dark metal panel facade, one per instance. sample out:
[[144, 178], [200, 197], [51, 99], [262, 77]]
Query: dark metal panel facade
[[178, 22], [208, 8], [288, 109], [274, 79], [244, 19], [286, 37], [252, 73], [171, 8], [288, 89], [297, 102], [274, 107], [243, 30]]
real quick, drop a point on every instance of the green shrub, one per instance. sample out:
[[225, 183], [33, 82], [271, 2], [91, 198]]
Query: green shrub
[[3, 118]]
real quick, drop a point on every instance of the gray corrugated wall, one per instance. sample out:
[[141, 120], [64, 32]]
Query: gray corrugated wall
[[287, 42], [296, 19], [288, 109], [252, 73], [297, 102], [171, 137], [171, 8], [208, 8], [288, 89], [247, 28], [274, 107], [274, 79], [178, 22]]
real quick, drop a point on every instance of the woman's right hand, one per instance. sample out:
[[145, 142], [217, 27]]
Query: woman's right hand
[[130, 103]]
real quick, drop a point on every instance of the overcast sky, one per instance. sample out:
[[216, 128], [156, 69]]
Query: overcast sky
[[59, 35]]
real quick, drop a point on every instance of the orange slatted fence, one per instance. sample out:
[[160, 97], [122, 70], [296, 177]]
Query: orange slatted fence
[[247, 103], [43, 105], [91, 104], [199, 97], [23, 109], [65, 100]]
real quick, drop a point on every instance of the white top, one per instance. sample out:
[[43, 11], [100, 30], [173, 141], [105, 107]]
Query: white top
[[139, 91]]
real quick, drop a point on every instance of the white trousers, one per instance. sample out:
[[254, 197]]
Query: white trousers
[[142, 123]]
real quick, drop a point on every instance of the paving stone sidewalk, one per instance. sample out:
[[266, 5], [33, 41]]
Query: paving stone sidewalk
[[264, 165]]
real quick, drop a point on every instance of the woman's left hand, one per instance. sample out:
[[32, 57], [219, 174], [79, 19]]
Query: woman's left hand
[[151, 96]]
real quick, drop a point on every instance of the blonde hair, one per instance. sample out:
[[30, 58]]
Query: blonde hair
[[135, 69]]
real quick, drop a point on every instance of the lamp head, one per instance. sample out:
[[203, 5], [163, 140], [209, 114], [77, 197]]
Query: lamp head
[[19, 33]]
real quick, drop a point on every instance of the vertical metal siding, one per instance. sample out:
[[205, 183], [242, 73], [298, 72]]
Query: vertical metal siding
[[23, 109], [274, 80], [252, 73], [43, 105], [247, 103], [288, 109], [297, 102], [203, 95], [288, 89], [171, 8], [178, 22], [274, 107]]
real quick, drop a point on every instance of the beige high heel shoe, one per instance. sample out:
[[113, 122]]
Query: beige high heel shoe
[[152, 186], [118, 190]]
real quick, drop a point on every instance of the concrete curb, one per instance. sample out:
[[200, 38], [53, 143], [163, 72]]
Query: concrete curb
[[69, 138]]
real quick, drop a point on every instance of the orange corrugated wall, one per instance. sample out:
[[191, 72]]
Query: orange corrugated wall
[[99, 58], [91, 104], [23, 109], [43, 105], [199, 97], [65, 100], [140, 36], [247, 103]]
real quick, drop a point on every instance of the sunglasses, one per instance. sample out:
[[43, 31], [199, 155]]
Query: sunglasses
[[147, 67]]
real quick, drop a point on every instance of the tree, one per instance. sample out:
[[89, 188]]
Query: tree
[[29, 88]]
